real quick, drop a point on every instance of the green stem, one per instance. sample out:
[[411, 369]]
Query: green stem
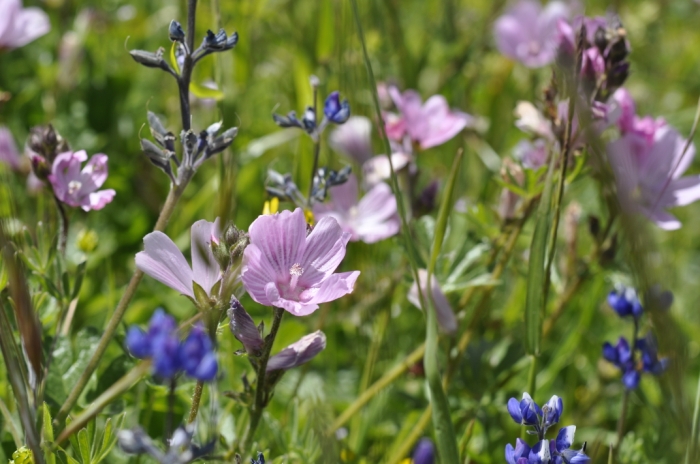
[[621, 420], [531, 387], [694, 426], [63, 229], [196, 399], [261, 393]]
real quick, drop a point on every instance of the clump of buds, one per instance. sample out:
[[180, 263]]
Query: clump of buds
[[43, 145]]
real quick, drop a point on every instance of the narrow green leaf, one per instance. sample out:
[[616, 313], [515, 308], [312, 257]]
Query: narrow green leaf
[[534, 302], [84, 446], [48, 435], [442, 420], [201, 91], [65, 278], [80, 273], [69, 459]]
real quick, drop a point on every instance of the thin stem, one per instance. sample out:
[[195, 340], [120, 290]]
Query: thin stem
[[694, 426], [171, 409], [317, 147], [196, 399], [621, 420], [63, 229], [113, 324], [261, 393]]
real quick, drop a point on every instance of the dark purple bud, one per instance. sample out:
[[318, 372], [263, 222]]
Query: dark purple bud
[[309, 120], [197, 356], [529, 410], [625, 302], [175, 31], [335, 110], [259, 460], [243, 327], [220, 41], [40, 166], [298, 353], [424, 452]]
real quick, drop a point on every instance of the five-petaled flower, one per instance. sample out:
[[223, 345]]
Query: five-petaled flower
[[429, 124], [371, 219], [528, 33], [76, 187], [285, 268], [163, 260]]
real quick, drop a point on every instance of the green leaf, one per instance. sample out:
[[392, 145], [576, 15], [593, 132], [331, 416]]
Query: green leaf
[[534, 302], [69, 459], [109, 437], [84, 446], [48, 435], [201, 91], [80, 273]]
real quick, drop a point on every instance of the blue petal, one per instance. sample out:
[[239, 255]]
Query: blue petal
[[510, 459], [207, 369], [631, 379], [137, 343], [529, 410], [424, 453], [555, 407], [565, 438], [610, 353], [514, 410]]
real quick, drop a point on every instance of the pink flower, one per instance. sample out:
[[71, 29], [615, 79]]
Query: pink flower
[[648, 177], [622, 111], [284, 267], [445, 315], [370, 220], [19, 26], [532, 155], [429, 124], [528, 33], [353, 138], [163, 260], [79, 188], [8, 150]]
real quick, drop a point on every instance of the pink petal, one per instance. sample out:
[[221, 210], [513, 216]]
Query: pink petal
[[377, 169], [353, 138], [664, 219], [205, 268], [8, 149], [293, 307], [94, 174], [333, 288], [256, 274], [163, 260], [325, 249], [344, 196], [98, 200], [439, 124], [27, 25], [445, 315], [281, 238], [685, 190]]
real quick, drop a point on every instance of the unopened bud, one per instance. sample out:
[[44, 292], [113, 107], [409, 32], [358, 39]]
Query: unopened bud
[[220, 252], [87, 240], [175, 31], [243, 327], [40, 167]]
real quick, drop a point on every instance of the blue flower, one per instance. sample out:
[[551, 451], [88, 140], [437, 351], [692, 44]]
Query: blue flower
[[424, 452], [335, 110], [650, 358], [525, 411], [260, 460], [557, 451], [625, 302], [519, 454], [623, 356], [197, 355], [553, 410]]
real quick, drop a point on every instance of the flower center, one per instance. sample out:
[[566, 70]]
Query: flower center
[[295, 271], [74, 187]]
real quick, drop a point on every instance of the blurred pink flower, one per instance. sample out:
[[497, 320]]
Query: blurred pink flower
[[528, 33], [353, 138], [429, 124], [79, 188], [622, 110], [370, 220], [532, 154], [8, 150], [19, 26], [445, 315], [163, 260], [284, 267], [648, 176]]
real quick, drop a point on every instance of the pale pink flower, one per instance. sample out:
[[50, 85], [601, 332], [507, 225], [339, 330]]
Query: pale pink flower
[[285, 268], [429, 124], [370, 220], [648, 176], [8, 150], [528, 33], [353, 138], [445, 315], [163, 260], [532, 154], [19, 26], [78, 188], [377, 169], [622, 111]]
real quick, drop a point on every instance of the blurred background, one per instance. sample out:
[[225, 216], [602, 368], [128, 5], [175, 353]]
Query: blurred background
[[80, 78]]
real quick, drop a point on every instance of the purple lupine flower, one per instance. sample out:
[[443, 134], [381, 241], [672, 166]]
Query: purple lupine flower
[[336, 111], [648, 177], [558, 451], [76, 187], [525, 411], [160, 343], [298, 353], [284, 267], [527, 32], [429, 124], [8, 149], [163, 260], [622, 356], [197, 356], [370, 220], [519, 454], [445, 315], [649, 354], [625, 302], [353, 139], [424, 452], [553, 410], [19, 26]]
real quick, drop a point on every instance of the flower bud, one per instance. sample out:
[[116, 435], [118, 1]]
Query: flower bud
[[336, 111], [175, 31], [243, 327], [40, 166], [150, 59], [298, 353], [45, 141]]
